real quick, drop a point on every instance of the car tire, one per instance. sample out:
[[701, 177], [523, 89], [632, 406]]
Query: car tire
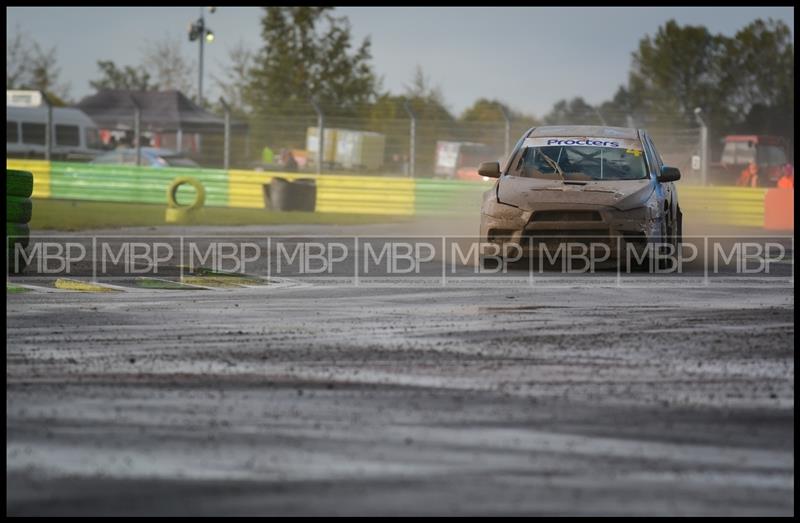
[[19, 183], [18, 209]]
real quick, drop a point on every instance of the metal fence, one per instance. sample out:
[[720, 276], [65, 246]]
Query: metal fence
[[396, 140], [408, 146]]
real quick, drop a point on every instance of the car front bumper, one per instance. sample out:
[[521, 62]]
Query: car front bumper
[[548, 226]]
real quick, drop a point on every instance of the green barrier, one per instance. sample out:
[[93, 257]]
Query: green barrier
[[131, 184], [448, 196]]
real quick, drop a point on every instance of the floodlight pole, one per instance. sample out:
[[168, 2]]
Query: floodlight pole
[[200, 31], [200, 62]]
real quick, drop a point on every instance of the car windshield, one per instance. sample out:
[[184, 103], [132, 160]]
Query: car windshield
[[580, 163]]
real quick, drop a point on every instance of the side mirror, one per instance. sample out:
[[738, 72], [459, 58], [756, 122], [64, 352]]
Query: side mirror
[[669, 174], [489, 169]]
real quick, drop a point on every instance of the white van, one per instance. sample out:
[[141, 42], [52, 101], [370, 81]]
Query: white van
[[74, 134]]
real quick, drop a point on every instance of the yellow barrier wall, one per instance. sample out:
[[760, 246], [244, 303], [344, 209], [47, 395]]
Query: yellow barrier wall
[[41, 174], [335, 193], [724, 205]]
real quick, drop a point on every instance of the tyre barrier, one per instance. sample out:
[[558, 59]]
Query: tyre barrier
[[300, 195], [18, 209], [19, 186], [184, 214], [19, 183]]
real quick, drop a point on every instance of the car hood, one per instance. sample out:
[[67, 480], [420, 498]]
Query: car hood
[[525, 193]]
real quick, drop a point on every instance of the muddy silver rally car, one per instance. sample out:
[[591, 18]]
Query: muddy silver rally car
[[584, 183]]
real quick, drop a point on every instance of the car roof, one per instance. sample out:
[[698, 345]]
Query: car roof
[[61, 115], [151, 151], [600, 131]]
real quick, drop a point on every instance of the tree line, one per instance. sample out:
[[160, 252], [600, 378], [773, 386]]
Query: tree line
[[743, 83]]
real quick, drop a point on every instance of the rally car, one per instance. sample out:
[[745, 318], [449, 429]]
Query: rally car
[[582, 183]]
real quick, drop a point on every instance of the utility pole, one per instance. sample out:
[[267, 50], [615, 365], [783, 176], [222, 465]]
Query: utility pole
[[412, 139], [48, 135], [703, 145], [137, 130], [507, 118], [320, 136]]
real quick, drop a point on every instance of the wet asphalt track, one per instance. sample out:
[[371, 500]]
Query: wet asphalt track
[[579, 396]]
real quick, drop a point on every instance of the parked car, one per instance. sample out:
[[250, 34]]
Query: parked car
[[607, 184], [74, 134], [150, 157]]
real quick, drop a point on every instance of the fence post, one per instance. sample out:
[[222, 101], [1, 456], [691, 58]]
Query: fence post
[[320, 136], [507, 118], [227, 146], [703, 146], [412, 147], [137, 129], [48, 135]]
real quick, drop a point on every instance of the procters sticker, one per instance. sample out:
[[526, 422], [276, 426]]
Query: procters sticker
[[584, 141]]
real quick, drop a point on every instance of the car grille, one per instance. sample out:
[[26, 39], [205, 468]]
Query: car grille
[[566, 216], [552, 238]]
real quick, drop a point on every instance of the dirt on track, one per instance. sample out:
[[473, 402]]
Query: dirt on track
[[579, 399]]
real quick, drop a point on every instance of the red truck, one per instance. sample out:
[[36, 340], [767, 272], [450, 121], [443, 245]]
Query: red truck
[[768, 152]]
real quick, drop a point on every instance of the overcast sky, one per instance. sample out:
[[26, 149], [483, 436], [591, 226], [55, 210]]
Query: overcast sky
[[528, 57]]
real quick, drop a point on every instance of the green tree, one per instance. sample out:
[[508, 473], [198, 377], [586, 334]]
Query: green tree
[[573, 112], [29, 66], [309, 53], [761, 59], [743, 83], [235, 77], [113, 77], [679, 69], [165, 62], [485, 110], [16, 61], [425, 99], [620, 110]]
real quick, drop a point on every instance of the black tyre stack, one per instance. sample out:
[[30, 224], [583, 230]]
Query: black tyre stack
[[300, 195], [19, 186]]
